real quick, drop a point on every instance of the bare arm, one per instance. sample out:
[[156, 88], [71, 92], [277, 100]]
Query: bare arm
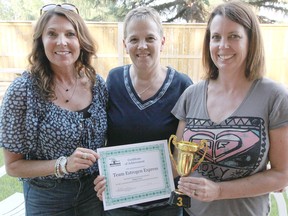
[[17, 166]]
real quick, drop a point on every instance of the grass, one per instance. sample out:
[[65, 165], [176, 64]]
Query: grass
[[274, 209], [10, 185]]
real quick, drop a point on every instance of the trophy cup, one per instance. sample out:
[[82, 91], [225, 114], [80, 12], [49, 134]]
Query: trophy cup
[[186, 164]]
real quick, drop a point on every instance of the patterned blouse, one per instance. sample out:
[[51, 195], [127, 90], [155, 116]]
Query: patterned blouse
[[41, 130]]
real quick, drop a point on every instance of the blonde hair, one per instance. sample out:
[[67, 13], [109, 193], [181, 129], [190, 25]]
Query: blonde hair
[[143, 13]]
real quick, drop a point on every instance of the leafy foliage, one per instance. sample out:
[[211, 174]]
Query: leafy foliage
[[189, 11]]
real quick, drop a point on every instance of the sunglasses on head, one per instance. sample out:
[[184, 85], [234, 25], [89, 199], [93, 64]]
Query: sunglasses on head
[[66, 6]]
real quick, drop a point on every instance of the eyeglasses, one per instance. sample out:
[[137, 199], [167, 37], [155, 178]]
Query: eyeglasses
[[66, 6]]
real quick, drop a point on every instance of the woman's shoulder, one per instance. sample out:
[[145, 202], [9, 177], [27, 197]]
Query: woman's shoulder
[[117, 74], [179, 76], [24, 78], [100, 79], [198, 86], [20, 84], [115, 70], [100, 83], [100, 88], [269, 85], [22, 91]]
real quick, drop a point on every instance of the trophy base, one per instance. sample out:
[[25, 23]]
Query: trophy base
[[179, 199]]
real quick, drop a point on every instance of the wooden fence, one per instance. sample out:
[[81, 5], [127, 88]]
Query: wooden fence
[[182, 48]]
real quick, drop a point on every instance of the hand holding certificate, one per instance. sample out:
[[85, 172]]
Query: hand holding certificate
[[135, 173]]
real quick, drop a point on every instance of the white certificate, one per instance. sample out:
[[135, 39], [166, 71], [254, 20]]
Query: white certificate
[[135, 173]]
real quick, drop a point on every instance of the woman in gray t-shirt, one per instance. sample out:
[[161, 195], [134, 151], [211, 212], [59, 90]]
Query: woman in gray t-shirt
[[243, 117]]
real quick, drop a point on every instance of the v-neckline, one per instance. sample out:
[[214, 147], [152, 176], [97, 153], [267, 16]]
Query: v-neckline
[[142, 104], [232, 113]]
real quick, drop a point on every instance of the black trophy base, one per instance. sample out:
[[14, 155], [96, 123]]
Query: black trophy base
[[179, 199]]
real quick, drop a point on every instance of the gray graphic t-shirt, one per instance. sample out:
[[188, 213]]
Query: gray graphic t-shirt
[[238, 146]]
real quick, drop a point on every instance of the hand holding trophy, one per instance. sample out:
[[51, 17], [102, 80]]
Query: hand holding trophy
[[185, 165]]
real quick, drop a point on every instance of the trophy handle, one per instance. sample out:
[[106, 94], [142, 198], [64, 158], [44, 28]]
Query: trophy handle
[[172, 139], [203, 143]]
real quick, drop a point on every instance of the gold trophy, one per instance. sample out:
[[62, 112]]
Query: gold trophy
[[186, 164]]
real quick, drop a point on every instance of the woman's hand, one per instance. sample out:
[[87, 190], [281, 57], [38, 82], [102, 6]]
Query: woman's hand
[[199, 188], [99, 183], [82, 158]]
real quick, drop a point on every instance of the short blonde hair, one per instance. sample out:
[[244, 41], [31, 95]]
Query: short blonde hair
[[143, 13]]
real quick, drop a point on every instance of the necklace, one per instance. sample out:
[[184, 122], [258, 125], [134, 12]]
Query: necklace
[[66, 90], [148, 87]]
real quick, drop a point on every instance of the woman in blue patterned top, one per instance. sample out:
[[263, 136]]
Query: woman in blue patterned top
[[53, 118]]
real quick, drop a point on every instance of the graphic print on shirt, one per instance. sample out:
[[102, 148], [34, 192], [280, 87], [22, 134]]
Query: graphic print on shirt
[[236, 146]]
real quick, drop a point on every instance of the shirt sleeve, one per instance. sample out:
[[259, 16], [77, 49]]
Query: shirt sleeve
[[278, 115], [17, 129]]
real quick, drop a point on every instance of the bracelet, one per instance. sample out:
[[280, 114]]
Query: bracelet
[[63, 163], [57, 168]]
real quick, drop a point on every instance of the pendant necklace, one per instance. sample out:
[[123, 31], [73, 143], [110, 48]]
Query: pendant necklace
[[148, 87], [66, 90]]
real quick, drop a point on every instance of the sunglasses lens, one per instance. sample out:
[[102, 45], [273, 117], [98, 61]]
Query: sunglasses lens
[[70, 7], [66, 6], [47, 7]]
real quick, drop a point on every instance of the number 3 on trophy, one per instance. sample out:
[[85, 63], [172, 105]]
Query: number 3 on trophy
[[180, 201]]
